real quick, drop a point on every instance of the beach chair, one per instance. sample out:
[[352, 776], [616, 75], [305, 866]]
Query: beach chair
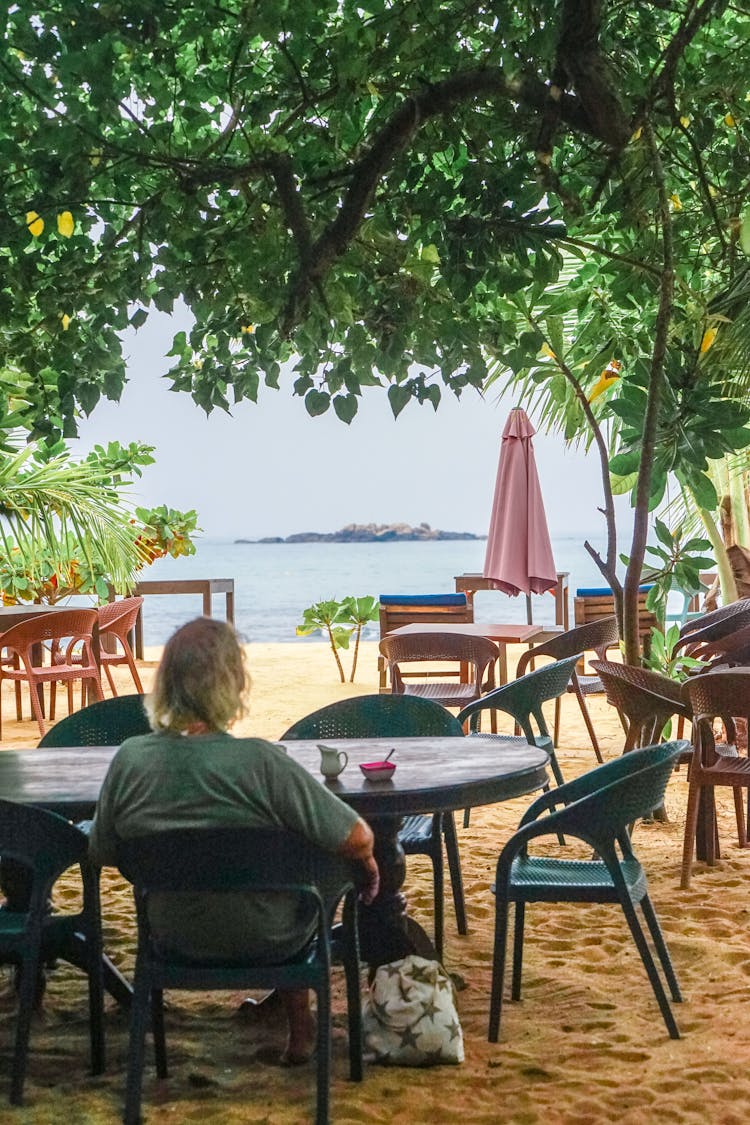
[[598, 636], [383, 716], [43, 846], [106, 723], [455, 649], [70, 632], [240, 860], [523, 699], [598, 807], [725, 696]]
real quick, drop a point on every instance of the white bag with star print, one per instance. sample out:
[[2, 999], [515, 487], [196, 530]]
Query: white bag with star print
[[410, 1018]]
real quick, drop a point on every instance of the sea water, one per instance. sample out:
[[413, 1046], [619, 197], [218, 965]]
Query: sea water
[[274, 582]]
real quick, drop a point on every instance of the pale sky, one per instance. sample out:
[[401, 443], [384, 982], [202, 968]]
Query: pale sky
[[270, 469]]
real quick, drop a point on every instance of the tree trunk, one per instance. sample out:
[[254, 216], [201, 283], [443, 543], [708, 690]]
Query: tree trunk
[[631, 634]]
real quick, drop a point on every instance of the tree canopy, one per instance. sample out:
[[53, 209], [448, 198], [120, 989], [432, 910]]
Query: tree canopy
[[382, 191]]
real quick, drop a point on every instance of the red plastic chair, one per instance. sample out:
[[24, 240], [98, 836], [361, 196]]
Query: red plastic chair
[[70, 632], [117, 619]]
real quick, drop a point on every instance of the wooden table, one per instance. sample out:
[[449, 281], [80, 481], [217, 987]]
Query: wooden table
[[432, 775], [206, 587], [502, 635]]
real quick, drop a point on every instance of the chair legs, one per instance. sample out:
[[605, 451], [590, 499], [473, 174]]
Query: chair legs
[[26, 995], [518, 926], [139, 1014], [498, 968], [454, 867], [661, 948], [586, 717], [324, 1052], [691, 825], [650, 966]]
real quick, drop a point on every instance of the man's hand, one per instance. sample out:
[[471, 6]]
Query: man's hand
[[358, 845], [370, 890]]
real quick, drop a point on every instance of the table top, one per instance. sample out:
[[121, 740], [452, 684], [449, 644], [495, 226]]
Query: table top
[[11, 615], [505, 633], [432, 774]]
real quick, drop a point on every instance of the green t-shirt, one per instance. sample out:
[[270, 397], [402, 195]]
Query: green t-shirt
[[163, 781]]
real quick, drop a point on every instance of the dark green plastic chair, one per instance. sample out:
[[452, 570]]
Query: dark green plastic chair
[[407, 716], [106, 723], [599, 806], [242, 860], [522, 699], [44, 846]]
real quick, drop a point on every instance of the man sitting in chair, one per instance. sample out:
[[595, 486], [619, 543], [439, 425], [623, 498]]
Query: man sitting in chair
[[191, 773]]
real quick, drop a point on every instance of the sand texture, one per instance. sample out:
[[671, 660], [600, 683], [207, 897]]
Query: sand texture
[[586, 1044]]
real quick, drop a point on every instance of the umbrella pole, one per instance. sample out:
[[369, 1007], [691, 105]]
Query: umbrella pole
[[528, 610]]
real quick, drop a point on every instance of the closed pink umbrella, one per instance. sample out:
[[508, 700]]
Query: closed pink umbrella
[[519, 554]]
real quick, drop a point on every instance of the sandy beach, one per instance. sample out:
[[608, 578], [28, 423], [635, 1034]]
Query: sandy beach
[[586, 1044]]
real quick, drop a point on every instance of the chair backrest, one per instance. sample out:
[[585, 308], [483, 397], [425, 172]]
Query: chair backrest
[[724, 695], [208, 860], [603, 802], [714, 626], [73, 624], [373, 716], [641, 694], [423, 609], [460, 648], [524, 696], [107, 723], [118, 618], [597, 636], [720, 694], [40, 840]]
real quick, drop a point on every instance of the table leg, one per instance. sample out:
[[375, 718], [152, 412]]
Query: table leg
[[386, 933], [229, 603], [206, 603]]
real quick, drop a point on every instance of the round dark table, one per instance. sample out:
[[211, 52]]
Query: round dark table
[[432, 775]]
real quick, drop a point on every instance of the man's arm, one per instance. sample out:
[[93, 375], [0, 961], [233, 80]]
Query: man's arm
[[358, 846]]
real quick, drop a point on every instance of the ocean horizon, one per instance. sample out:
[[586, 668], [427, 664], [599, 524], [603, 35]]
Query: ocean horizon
[[275, 582]]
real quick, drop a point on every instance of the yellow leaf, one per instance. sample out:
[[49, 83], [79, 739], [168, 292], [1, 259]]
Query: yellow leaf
[[730, 121], [637, 134], [684, 121], [676, 201], [547, 350], [65, 321], [95, 157], [34, 223], [708, 338], [247, 329], [372, 88], [603, 383], [65, 224]]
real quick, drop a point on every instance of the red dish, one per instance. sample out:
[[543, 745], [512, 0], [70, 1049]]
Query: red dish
[[378, 771]]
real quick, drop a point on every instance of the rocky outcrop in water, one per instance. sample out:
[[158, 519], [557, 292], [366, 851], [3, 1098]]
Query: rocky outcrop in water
[[370, 533]]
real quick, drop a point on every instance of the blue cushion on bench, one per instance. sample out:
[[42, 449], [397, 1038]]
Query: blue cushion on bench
[[603, 592], [423, 599]]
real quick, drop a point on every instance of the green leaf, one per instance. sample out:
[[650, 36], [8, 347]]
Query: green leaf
[[398, 396], [317, 402]]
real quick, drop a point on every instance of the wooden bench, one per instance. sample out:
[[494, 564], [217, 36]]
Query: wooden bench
[[593, 604]]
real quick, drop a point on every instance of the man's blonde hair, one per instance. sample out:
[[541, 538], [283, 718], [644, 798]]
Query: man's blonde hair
[[201, 678]]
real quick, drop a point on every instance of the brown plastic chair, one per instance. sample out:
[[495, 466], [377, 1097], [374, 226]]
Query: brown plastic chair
[[117, 620], [24, 642], [726, 696], [647, 700], [476, 652], [711, 628], [598, 637]]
